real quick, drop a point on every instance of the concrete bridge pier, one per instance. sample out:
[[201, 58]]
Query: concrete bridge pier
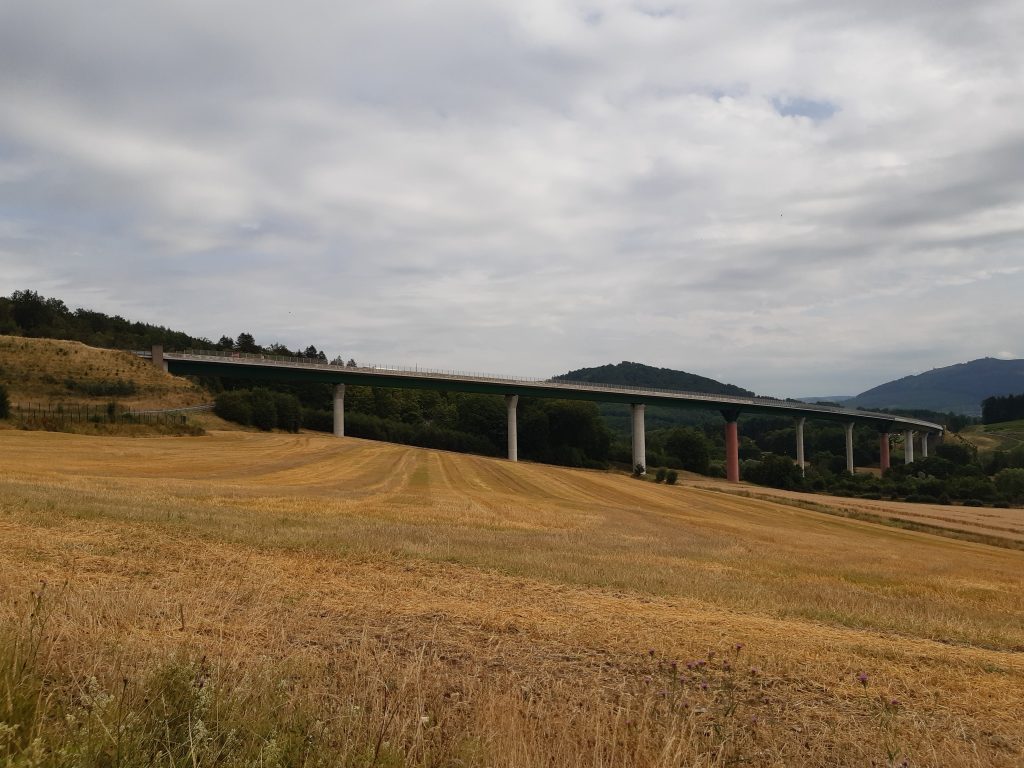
[[732, 445], [924, 445], [883, 451], [639, 436], [339, 410], [512, 401], [849, 446], [908, 446], [800, 444]]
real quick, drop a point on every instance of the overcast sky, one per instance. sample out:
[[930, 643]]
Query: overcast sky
[[799, 197]]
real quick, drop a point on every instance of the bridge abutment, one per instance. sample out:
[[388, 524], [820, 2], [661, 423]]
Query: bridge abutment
[[158, 358]]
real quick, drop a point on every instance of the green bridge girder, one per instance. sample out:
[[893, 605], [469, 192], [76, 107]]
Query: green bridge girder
[[255, 368]]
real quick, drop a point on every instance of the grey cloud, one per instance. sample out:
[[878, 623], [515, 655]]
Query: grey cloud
[[489, 185]]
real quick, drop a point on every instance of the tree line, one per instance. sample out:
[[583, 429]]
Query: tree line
[[1001, 408]]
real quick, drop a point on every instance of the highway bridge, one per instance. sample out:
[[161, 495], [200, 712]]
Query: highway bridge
[[275, 368]]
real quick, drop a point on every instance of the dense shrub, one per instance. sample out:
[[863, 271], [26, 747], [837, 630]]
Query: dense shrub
[[234, 406], [264, 408], [957, 453], [690, 448], [105, 388], [671, 477], [316, 419], [659, 476], [972, 488], [1010, 484], [421, 435], [774, 471], [289, 411]]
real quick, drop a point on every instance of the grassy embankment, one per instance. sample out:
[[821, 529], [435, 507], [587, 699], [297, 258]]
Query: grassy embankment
[[990, 438], [274, 599], [48, 373]]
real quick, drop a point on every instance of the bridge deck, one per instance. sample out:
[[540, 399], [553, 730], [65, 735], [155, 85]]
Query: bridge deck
[[218, 363]]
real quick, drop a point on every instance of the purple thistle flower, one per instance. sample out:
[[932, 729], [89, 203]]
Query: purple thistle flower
[[862, 678]]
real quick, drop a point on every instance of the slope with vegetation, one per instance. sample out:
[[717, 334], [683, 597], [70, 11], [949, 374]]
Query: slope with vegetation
[[302, 600], [36, 370]]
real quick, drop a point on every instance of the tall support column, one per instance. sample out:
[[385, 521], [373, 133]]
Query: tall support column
[[732, 451], [883, 451], [800, 444], [639, 436], [849, 447], [512, 401], [339, 410], [924, 445], [908, 446]]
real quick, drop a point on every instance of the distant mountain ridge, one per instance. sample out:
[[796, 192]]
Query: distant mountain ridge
[[640, 375], [956, 388]]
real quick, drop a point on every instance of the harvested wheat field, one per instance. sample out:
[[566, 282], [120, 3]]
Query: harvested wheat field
[[299, 600]]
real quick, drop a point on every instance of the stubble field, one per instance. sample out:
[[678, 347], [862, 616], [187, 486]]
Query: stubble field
[[307, 600]]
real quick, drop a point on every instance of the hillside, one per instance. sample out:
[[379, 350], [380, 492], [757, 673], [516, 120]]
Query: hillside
[[313, 600], [957, 388], [640, 375], [48, 371]]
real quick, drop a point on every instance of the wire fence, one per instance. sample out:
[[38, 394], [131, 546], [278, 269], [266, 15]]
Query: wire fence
[[70, 413]]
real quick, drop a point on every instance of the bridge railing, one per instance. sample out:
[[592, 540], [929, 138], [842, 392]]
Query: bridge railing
[[416, 371]]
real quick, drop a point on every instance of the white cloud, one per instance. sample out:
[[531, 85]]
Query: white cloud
[[798, 197]]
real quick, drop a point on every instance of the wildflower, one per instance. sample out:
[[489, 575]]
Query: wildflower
[[650, 651], [753, 671], [738, 647], [703, 686], [862, 678]]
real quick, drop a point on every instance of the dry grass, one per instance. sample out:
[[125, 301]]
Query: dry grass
[[36, 371], [513, 606], [1002, 527], [988, 438]]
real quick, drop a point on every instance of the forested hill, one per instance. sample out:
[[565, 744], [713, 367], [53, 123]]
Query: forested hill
[[26, 313], [640, 375], [957, 388]]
